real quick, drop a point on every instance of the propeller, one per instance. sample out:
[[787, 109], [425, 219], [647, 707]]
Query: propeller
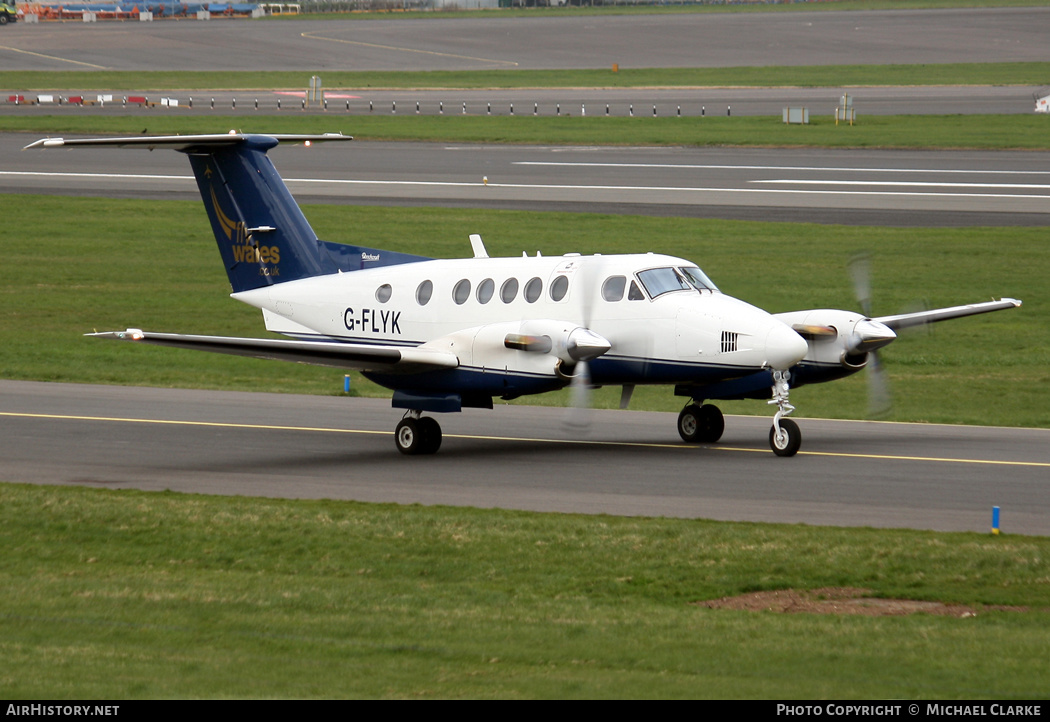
[[578, 414], [585, 345], [570, 341], [869, 336]]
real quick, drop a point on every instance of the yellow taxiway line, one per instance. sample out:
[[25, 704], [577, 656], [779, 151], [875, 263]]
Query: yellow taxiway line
[[53, 57], [651, 445], [311, 36]]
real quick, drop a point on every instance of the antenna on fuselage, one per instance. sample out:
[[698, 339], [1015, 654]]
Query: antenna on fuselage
[[478, 246]]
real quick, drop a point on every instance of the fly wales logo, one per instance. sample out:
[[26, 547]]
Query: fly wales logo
[[241, 244]]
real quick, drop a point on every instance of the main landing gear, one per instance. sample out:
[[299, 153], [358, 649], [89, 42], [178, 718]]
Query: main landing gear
[[704, 424], [417, 434], [701, 424]]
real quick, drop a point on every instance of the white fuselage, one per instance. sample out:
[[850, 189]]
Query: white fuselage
[[665, 322]]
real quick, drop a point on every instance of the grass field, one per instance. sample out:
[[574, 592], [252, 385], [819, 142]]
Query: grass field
[[985, 132], [131, 595], [829, 76], [78, 264]]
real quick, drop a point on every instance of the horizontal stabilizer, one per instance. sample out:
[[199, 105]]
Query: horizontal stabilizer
[[391, 359], [182, 143], [263, 237]]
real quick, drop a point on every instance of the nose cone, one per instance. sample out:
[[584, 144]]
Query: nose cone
[[784, 347], [584, 345], [870, 335]]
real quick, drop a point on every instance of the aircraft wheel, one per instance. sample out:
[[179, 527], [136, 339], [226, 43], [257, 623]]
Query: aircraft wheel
[[417, 436], [701, 424], [431, 434], [408, 436], [788, 443]]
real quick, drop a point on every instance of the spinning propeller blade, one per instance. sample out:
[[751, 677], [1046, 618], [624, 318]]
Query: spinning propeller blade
[[860, 272], [869, 337], [587, 345], [578, 414]]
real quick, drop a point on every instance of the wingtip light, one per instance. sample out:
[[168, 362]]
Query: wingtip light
[[46, 143]]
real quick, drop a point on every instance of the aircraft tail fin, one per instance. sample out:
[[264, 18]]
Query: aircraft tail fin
[[263, 236]]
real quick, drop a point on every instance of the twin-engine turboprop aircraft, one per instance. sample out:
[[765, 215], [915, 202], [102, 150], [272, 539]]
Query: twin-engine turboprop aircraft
[[445, 334]]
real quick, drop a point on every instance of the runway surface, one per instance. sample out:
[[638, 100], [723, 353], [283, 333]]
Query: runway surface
[[443, 43], [928, 188], [630, 463], [639, 41], [449, 43]]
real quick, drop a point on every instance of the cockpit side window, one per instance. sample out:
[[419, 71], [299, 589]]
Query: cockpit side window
[[635, 293], [613, 288], [658, 281]]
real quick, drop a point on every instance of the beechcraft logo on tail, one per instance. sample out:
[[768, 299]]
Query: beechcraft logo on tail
[[244, 251]]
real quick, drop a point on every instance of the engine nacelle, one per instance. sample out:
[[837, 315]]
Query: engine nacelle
[[838, 337], [539, 347], [569, 342]]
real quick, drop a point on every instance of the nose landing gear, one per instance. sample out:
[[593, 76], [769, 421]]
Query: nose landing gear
[[784, 437]]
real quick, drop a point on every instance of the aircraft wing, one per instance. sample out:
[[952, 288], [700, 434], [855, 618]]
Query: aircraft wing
[[362, 357], [905, 320]]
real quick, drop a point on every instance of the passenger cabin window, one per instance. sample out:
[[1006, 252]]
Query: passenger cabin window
[[658, 281], [461, 292], [485, 290], [509, 290], [423, 292], [613, 288], [383, 293], [559, 287], [533, 289]]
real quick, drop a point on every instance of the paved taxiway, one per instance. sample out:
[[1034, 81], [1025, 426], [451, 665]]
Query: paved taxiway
[[633, 41], [629, 463], [707, 40], [929, 188]]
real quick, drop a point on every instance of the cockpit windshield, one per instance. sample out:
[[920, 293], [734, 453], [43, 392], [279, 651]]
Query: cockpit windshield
[[698, 279], [658, 281]]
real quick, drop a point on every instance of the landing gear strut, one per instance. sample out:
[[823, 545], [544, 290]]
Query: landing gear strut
[[785, 437], [416, 434], [701, 424]]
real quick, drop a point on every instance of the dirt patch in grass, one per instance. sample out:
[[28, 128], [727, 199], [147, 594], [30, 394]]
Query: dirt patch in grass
[[844, 600]]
